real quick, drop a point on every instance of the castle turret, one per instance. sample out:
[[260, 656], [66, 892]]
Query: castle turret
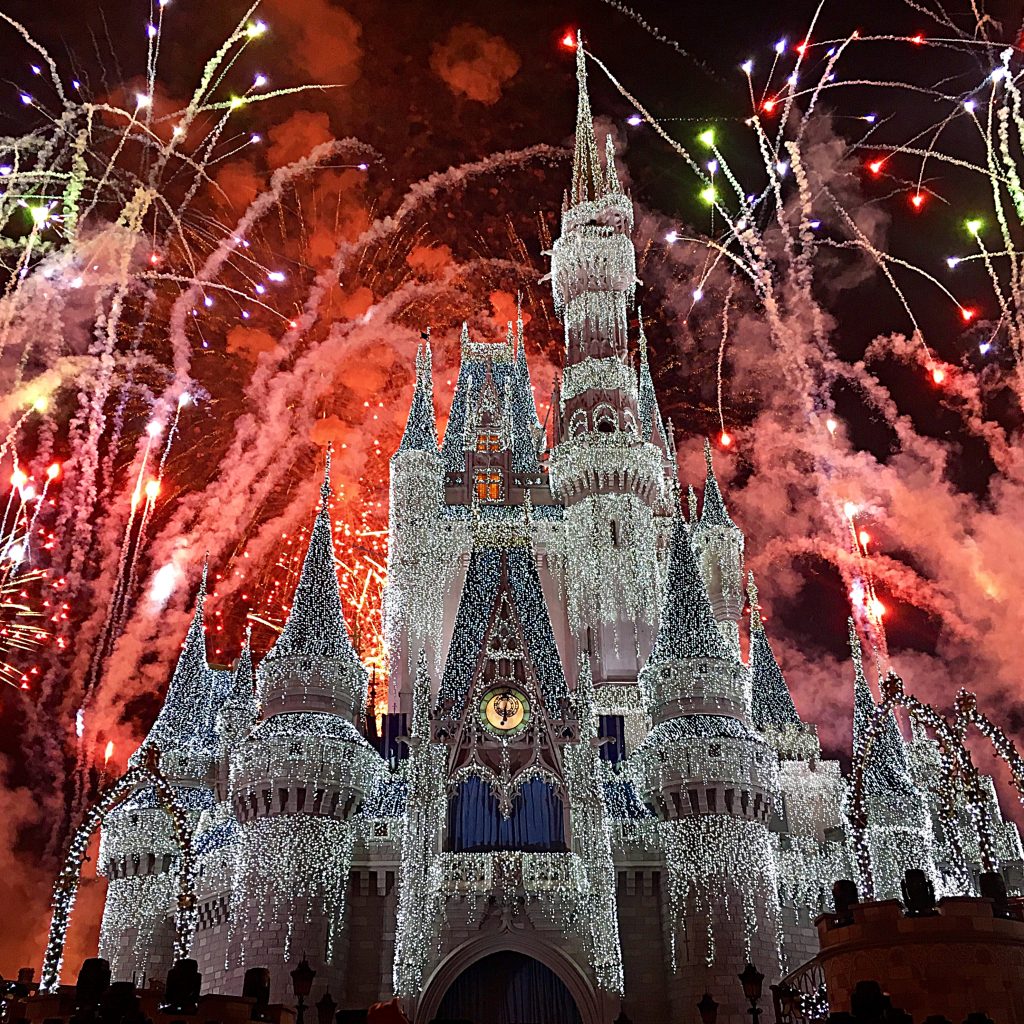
[[713, 783], [138, 851], [298, 782], [718, 542], [417, 575], [607, 474]]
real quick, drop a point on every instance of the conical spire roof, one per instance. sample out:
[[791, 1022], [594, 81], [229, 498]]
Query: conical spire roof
[[713, 512], [240, 708], [887, 769], [652, 427], [186, 718], [687, 628], [421, 428], [587, 181], [771, 702], [316, 627], [523, 367], [243, 680]]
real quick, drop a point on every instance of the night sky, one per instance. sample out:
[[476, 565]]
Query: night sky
[[431, 86]]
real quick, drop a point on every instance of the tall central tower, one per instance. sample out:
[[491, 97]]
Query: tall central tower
[[608, 467]]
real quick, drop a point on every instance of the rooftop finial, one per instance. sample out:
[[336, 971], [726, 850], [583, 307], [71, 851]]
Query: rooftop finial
[[755, 608], [325, 487], [586, 168], [855, 650]]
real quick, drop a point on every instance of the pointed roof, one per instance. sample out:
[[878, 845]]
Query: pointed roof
[[687, 628], [611, 173], [420, 428], [316, 627], [502, 580], [771, 702], [652, 427], [587, 181], [240, 706], [192, 700], [494, 367], [713, 512], [525, 381], [888, 768], [243, 679]]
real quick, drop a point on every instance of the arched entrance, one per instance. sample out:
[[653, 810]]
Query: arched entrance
[[520, 961], [508, 988]]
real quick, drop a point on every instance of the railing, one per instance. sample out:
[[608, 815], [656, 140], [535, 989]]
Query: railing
[[802, 996], [465, 873]]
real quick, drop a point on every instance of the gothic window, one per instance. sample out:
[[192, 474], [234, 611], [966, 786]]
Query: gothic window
[[629, 422], [605, 419], [476, 824], [578, 423], [613, 729], [488, 484], [488, 443]]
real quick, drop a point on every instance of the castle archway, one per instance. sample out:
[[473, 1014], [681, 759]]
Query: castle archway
[[509, 978]]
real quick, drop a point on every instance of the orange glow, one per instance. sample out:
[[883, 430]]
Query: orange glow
[[938, 375], [917, 200], [864, 537], [152, 489], [769, 106], [53, 471], [569, 40], [968, 314], [725, 439], [830, 426], [18, 478], [108, 753], [918, 40], [875, 166], [877, 608]]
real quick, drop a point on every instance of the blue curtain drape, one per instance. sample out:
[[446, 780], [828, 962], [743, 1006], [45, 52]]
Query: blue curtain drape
[[476, 825], [612, 727], [508, 988]]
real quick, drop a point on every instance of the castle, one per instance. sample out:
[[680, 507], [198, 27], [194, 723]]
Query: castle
[[582, 800]]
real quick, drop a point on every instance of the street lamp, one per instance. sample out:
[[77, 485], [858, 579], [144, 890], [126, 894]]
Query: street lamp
[[752, 979], [302, 983], [325, 1008], [708, 1009]]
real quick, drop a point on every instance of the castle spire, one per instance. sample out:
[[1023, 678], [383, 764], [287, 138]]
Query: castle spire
[[687, 628], [420, 428], [771, 702], [240, 709], [652, 427], [316, 627], [586, 168], [713, 512], [185, 719], [887, 769]]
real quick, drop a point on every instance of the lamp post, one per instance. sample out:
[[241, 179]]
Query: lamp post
[[752, 980], [325, 1008], [302, 983], [708, 1009]]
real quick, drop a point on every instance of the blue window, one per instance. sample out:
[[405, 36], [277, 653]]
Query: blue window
[[476, 825]]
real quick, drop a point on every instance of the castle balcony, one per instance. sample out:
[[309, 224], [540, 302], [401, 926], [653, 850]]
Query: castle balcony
[[510, 871]]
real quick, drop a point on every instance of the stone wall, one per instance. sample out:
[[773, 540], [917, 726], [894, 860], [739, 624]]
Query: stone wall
[[962, 960]]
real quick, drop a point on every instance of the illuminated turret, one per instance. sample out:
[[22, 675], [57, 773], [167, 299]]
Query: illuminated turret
[[718, 542], [603, 469]]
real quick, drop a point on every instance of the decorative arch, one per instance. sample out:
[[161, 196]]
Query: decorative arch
[[65, 889], [957, 764], [578, 422], [606, 419], [588, 1000]]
